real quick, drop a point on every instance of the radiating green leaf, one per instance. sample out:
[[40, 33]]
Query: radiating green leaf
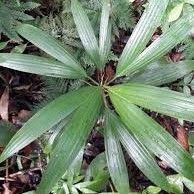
[[176, 33], [72, 139], [75, 167], [80, 177], [154, 137], [50, 45], [105, 31], [159, 73], [160, 100], [74, 191], [142, 34], [189, 184], [46, 118], [139, 154], [114, 156], [37, 65], [189, 1], [86, 32], [65, 189], [56, 132]]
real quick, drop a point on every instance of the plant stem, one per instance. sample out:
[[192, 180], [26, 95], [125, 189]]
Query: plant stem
[[105, 101], [111, 81], [96, 83], [86, 82]]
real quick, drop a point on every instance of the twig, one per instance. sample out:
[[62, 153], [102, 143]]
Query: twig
[[7, 171], [85, 82], [96, 83], [40, 162], [111, 186], [8, 179], [6, 185], [110, 8], [25, 171]]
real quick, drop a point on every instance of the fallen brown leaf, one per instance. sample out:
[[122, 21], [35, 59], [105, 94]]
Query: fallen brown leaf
[[109, 73], [182, 137], [23, 87], [23, 113], [6, 189], [4, 103], [175, 56]]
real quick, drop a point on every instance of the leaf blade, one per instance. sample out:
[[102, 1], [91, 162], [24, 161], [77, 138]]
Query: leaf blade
[[140, 155], [74, 136], [39, 123], [160, 100], [115, 158], [37, 65], [160, 73], [49, 45], [176, 33], [86, 32], [154, 137], [105, 31], [142, 34]]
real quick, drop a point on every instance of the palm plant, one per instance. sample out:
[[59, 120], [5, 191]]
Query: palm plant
[[125, 122]]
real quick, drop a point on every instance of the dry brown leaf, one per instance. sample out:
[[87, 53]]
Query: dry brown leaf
[[6, 189], [4, 103], [163, 164], [22, 87], [109, 73], [1, 149], [23, 113], [182, 137], [175, 56]]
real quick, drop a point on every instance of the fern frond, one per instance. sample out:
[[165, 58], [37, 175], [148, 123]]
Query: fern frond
[[61, 26], [55, 87], [123, 14], [10, 14], [20, 16], [27, 6], [94, 5]]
